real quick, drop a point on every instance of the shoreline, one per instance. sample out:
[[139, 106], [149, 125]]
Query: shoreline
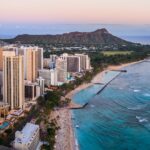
[[66, 139], [98, 77]]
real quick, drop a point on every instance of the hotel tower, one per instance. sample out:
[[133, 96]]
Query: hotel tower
[[13, 80], [31, 64]]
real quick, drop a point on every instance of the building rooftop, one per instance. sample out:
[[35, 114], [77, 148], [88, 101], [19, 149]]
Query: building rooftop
[[27, 133], [17, 112]]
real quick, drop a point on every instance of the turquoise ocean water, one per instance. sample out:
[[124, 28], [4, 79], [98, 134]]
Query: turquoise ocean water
[[119, 117]]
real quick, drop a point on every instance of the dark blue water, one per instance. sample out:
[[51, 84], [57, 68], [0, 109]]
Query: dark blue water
[[137, 39], [119, 117]]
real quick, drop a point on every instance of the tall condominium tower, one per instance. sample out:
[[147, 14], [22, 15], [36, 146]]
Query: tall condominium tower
[[61, 66], [33, 61], [84, 62], [30, 64], [8, 50], [40, 58], [73, 64], [1, 59], [13, 81]]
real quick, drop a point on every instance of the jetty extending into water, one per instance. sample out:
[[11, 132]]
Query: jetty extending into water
[[99, 83], [77, 106], [107, 84], [119, 70]]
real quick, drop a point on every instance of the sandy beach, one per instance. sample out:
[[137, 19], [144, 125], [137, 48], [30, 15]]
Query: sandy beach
[[65, 135], [65, 139]]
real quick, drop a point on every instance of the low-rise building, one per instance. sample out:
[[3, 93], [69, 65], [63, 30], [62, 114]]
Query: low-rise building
[[32, 91], [28, 138]]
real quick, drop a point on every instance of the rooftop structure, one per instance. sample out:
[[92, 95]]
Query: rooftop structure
[[28, 138]]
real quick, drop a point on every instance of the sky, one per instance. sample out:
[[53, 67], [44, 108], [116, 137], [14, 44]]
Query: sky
[[75, 11], [120, 17]]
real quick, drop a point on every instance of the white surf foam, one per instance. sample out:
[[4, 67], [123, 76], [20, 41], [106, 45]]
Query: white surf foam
[[140, 119], [136, 91], [92, 106], [138, 107], [147, 94]]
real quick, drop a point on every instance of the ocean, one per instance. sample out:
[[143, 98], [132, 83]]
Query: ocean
[[119, 117]]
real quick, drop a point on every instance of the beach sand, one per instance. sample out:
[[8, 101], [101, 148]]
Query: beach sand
[[65, 136], [65, 139]]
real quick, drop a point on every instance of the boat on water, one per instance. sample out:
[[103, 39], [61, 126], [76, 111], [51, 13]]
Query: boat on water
[[77, 126]]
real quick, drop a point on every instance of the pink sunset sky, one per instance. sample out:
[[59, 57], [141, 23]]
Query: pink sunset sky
[[75, 11]]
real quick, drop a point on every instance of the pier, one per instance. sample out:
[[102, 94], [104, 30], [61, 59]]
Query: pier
[[77, 106], [107, 84], [99, 83], [120, 70]]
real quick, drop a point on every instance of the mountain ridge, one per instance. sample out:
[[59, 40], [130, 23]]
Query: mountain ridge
[[99, 36]]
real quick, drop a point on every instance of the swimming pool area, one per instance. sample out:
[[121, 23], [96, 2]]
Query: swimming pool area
[[4, 125]]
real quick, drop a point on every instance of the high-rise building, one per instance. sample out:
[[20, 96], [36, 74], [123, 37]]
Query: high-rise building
[[6, 51], [1, 69], [40, 82], [49, 75], [73, 64], [1, 59], [2, 54], [61, 66], [84, 62], [31, 64], [13, 81], [33, 61], [53, 73], [1, 85], [40, 57]]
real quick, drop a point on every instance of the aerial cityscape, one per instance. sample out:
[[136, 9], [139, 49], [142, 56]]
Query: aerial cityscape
[[74, 75]]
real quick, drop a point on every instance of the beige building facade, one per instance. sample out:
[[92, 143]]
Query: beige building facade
[[30, 64], [13, 81], [61, 66]]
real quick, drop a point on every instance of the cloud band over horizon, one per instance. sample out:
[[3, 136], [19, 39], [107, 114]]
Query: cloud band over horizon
[[75, 11]]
